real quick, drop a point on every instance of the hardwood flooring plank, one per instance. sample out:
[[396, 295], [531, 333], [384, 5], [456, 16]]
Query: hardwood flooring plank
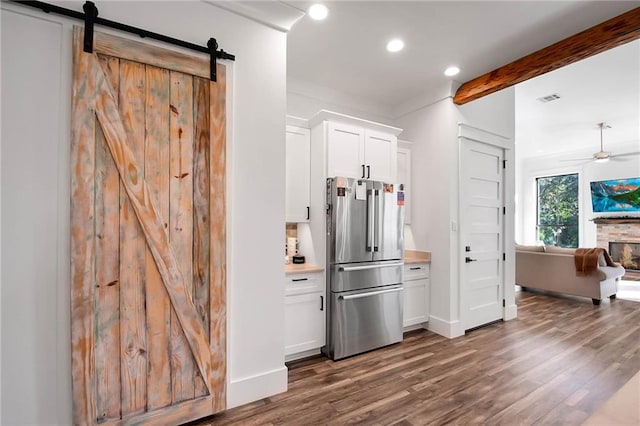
[[556, 364]]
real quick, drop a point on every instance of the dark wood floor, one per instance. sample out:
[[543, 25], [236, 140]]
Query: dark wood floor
[[556, 364]]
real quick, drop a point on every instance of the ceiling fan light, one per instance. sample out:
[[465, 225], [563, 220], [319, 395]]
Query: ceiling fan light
[[602, 160]]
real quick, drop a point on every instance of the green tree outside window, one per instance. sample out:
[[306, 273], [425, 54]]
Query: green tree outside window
[[558, 210]]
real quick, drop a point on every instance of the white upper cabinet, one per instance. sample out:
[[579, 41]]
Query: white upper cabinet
[[404, 177], [380, 156], [298, 162], [356, 148], [345, 150]]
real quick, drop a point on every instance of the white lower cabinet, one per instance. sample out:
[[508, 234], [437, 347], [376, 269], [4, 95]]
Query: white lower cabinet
[[416, 294], [304, 315]]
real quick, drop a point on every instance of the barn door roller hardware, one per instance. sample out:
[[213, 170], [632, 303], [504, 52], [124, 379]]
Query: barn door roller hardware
[[90, 18]]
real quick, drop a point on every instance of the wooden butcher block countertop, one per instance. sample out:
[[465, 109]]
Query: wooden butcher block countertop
[[417, 256], [301, 268]]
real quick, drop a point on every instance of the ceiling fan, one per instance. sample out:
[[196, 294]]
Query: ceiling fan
[[603, 156]]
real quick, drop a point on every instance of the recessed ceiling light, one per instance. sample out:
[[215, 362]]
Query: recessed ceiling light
[[318, 11], [451, 71], [395, 45]]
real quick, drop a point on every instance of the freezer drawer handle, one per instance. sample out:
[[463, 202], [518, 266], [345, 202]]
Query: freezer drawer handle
[[371, 293], [299, 279], [362, 268], [415, 268]]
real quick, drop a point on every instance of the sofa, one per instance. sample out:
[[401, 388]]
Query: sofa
[[554, 269]]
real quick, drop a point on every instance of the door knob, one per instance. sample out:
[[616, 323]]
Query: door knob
[[469, 260]]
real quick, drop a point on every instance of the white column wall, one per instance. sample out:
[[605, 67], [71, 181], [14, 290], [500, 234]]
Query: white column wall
[[35, 304], [432, 131]]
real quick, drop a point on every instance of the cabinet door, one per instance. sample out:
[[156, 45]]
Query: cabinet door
[[415, 302], [404, 177], [304, 323], [380, 155], [298, 162], [345, 151]]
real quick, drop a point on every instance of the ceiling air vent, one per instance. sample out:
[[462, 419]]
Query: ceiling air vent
[[549, 98]]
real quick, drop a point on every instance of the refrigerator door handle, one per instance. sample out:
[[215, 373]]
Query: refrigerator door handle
[[370, 219], [365, 267], [376, 225], [370, 293]]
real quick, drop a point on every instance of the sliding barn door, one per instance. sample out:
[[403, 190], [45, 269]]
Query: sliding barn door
[[148, 235]]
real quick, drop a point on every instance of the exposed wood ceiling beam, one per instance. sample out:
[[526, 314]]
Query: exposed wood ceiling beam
[[607, 35]]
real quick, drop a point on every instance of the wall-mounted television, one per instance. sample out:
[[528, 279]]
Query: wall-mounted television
[[616, 196]]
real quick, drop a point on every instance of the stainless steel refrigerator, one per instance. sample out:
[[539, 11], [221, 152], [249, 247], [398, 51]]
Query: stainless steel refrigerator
[[365, 238]]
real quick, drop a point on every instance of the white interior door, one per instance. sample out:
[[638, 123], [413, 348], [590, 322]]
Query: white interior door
[[482, 229]]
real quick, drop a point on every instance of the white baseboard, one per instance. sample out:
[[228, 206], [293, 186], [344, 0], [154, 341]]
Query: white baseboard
[[301, 355], [510, 312], [249, 389], [448, 329], [419, 326]]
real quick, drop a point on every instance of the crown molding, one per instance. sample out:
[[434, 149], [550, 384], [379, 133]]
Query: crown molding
[[274, 14]]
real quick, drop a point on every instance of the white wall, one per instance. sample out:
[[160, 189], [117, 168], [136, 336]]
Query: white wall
[[36, 86], [531, 168], [305, 101], [34, 274], [433, 131]]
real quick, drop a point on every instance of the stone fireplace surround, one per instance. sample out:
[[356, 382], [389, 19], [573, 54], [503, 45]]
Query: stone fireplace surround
[[621, 229]]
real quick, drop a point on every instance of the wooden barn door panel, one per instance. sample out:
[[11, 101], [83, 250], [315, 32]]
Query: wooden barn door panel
[[148, 236]]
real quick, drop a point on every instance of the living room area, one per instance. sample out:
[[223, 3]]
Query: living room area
[[578, 171]]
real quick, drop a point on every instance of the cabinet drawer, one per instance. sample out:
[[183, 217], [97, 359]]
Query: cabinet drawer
[[304, 283], [416, 271]]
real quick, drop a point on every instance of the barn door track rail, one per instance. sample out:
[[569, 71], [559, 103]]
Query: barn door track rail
[[90, 18]]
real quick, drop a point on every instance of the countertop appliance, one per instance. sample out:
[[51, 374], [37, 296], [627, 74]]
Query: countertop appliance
[[364, 265]]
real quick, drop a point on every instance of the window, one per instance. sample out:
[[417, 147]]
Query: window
[[558, 211]]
